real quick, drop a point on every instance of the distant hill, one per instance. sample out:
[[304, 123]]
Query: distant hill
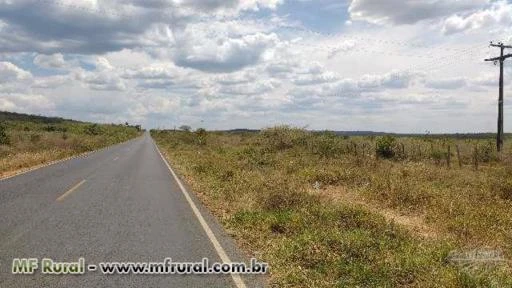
[[13, 116]]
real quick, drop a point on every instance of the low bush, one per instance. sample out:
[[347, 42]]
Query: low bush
[[384, 146], [284, 137], [4, 138]]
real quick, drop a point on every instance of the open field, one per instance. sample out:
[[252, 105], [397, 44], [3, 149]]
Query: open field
[[326, 210], [27, 140]]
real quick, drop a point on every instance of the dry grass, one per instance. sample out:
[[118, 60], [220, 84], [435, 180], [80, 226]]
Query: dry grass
[[413, 223], [33, 143], [324, 211]]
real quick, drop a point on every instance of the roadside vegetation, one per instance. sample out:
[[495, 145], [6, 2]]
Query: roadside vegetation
[[327, 210], [29, 140]]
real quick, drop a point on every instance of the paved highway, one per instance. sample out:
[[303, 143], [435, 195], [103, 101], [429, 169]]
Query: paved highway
[[117, 204]]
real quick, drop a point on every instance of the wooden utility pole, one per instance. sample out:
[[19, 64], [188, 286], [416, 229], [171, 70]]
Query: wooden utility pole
[[501, 59]]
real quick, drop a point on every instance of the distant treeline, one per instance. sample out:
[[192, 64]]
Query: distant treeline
[[51, 122], [13, 116], [485, 135]]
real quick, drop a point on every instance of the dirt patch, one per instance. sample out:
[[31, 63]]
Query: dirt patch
[[414, 223]]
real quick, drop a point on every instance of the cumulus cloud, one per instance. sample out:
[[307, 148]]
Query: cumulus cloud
[[104, 77], [281, 68], [452, 83], [211, 5], [50, 61], [11, 73], [79, 27], [26, 103], [51, 82], [92, 27], [242, 77], [500, 13], [408, 11], [257, 88], [162, 76], [313, 79], [179, 61], [393, 80], [150, 72], [197, 50], [350, 88]]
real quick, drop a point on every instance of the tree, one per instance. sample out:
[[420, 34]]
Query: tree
[[185, 128]]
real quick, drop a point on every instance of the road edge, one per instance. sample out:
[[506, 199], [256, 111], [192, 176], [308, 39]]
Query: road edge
[[237, 279]]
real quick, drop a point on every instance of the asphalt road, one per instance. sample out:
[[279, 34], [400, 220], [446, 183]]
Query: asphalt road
[[117, 204]]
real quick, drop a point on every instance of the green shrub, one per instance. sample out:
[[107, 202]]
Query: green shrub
[[438, 155], [50, 128], [384, 146], [201, 136], [4, 138], [327, 145], [284, 137], [92, 129], [487, 152]]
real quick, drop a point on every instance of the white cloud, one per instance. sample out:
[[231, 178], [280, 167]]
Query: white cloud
[[25, 103], [92, 27], [317, 78], [100, 80], [393, 80], [500, 13], [256, 88], [150, 72], [408, 11], [51, 82], [50, 61], [453, 83], [205, 50], [169, 62], [10, 72]]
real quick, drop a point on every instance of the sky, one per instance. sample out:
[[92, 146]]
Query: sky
[[408, 66]]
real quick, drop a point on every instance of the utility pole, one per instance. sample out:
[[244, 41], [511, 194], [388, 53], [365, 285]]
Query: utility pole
[[501, 59]]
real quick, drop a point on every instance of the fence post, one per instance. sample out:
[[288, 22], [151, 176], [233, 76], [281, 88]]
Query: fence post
[[458, 155], [475, 157], [448, 156]]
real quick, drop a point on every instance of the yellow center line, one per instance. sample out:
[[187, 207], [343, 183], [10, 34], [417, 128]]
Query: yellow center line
[[70, 191]]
